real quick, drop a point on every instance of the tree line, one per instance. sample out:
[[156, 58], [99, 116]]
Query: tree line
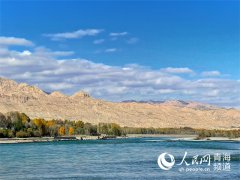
[[201, 133], [15, 124]]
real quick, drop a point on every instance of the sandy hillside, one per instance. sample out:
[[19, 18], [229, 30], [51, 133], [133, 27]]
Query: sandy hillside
[[80, 106]]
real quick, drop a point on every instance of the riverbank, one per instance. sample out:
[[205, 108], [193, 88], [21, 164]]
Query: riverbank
[[25, 140], [173, 137], [183, 137], [170, 137], [52, 139]]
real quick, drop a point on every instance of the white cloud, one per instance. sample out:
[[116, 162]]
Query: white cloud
[[74, 35], [44, 68], [132, 40], [184, 70], [98, 41], [118, 34], [211, 73], [62, 53], [214, 93], [111, 50], [59, 86], [25, 53], [11, 41], [42, 51]]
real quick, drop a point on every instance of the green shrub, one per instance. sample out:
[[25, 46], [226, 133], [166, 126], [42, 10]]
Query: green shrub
[[3, 133], [11, 134], [22, 134]]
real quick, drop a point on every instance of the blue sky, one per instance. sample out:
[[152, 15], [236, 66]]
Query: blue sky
[[200, 36]]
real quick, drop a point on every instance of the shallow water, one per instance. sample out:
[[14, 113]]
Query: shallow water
[[133, 158]]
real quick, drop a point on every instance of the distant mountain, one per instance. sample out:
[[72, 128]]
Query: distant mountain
[[148, 102], [179, 103], [81, 106]]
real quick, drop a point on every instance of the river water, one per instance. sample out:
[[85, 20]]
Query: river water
[[132, 158]]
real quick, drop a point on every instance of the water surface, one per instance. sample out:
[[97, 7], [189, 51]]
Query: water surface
[[133, 158]]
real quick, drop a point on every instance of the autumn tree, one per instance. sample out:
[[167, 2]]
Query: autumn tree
[[50, 123], [62, 131], [70, 131], [24, 118], [41, 126]]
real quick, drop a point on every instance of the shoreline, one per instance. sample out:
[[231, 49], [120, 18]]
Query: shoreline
[[175, 137]]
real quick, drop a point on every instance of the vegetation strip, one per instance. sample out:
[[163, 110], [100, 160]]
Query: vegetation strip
[[15, 124]]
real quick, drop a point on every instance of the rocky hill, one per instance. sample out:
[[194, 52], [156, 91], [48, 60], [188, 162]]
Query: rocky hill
[[81, 106]]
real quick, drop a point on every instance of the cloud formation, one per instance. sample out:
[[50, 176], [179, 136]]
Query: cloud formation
[[211, 73], [111, 50], [118, 33], [10, 41], [74, 35], [184, 70], [133, 40], [98, 41], [54, 70]]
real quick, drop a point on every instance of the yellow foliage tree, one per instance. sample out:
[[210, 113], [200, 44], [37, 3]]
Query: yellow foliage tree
[[71, 131], [61, 131], [50, 123], [24, 118], [39, 122]]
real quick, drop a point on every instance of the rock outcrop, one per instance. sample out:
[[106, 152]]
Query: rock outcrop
[[81, 106]]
